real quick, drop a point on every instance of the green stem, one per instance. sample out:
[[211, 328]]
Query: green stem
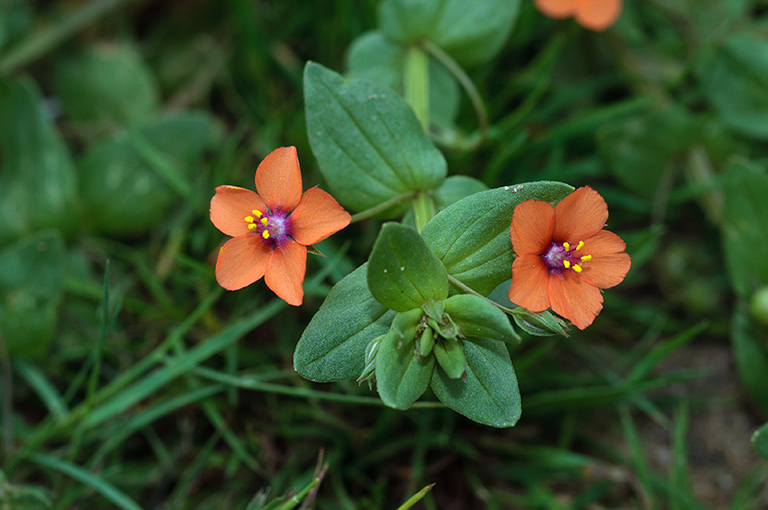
[[423, 209], [416, 84], [41, 42], [466, 83], [381, 207]]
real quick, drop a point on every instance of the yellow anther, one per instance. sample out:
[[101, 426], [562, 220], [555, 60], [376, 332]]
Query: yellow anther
[[580, 245], [257, 213], [249, 219], [265, 234], [264, 221], [252, 226], [577, 268], [586, 258], [567, 263], [567, 247]]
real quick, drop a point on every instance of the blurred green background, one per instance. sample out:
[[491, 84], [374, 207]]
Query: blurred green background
[[131, 380]]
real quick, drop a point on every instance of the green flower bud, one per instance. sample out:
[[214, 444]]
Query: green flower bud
[[426, 343], [450, 356], [406, 324], [539, 324]]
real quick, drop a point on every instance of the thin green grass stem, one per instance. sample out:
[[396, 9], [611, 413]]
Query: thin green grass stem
[[466, 83], [257, 384], [416, 497]]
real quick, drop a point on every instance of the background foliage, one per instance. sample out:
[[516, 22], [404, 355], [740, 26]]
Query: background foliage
[[130, 379]]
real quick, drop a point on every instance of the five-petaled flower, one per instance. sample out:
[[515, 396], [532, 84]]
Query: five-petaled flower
[[564, 257], [271, 230], [592, 14]]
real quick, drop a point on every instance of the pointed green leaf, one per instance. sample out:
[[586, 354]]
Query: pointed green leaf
[[471, 237], [489, 393], [401, 376], [471, 32], [38, 183], [402, 272], [477, 317], [332, 348], [367, 141]]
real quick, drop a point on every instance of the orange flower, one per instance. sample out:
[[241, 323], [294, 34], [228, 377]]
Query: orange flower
[[272, 229], [564, 257], [592, 14]]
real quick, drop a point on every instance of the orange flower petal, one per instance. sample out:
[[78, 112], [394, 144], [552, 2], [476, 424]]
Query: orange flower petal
[[609, 264], [574, 299], [529, 283], [242, 260], [533, 224], [229, 207], [557, 9], [580, 215], [597, 14], [285, 272], [317, 216], [278, 179]]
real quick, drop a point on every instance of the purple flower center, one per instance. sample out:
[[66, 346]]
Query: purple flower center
[[561, 256], [272, 226]]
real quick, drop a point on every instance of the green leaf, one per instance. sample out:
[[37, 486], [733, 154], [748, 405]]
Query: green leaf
[[375, 58], [471, 237], [105, 83], [401, 377], [477, 317], [745, 223], [488, 393], [368, 142], [129, 182], [332, 348], [30, 292], [470, 32], [760, 441], [735, 78], [402, 273], [456, 187], [750, 350], [641, 150], [38, 184]]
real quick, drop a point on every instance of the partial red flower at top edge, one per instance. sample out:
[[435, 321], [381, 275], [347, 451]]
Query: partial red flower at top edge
[[595, 15], [272, 228], [564, 257]]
